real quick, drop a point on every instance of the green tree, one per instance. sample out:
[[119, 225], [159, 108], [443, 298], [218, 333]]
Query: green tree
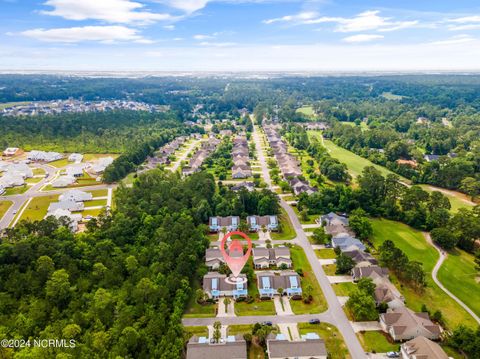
[[362, 306], [344, 264], [444, 238]]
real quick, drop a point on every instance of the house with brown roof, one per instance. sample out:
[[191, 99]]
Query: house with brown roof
[[370, 271], [404, 324], [265, 257], [268, 283], [361, 258], [311, 346], [213, 258], [422, 348], [215, 286], [256, 223], [234, 347], [386, 292], [216, 224]]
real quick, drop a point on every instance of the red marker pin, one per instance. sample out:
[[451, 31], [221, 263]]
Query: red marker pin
[[235, 258]]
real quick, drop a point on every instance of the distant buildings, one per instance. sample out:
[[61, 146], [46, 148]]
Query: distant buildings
[[11, 151], [241, 166], [68, 202], [42, 156], [200, 156], [14, 174]]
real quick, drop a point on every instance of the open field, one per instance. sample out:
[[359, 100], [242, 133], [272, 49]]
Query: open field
[[318, 304], [9, 104], [37, 208], [377, 342], [288, 232], [459, 276], [240, 329], [16, 190], [415, 246], [95, 156], [327, 253], [198, 331], [306, 110], [258, 307], [60, 163], [392, 96], [344, 289], [4, 206], [333, 338]]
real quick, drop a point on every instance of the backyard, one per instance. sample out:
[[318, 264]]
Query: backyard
[[333, 339]]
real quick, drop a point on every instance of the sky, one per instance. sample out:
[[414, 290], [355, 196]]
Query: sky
[[240, 35]]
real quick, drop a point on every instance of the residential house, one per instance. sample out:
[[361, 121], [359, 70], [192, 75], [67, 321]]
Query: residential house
[[265, 257], [256, 223], [75, 170], [216, 286], [332, 219], [386, 292], [362, 272], [42, 156], [213, 258], [231, 223], [63, 181], [310, 347], [69, 205], [422, 348], [73, 218], [100, 165], [10, 151], [239, 172], [75, 157], [75, 195], [300, 186], [404, 324], [346, 242], [430, 158], [234, 347], [249, 186], [360, 258], [11, 180], [2, 189], [268, 283]]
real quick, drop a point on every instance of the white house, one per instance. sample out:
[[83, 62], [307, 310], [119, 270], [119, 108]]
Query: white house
[[75, 195], [75, 157]]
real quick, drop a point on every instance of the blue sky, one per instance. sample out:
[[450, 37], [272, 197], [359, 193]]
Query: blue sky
[[239, 35]]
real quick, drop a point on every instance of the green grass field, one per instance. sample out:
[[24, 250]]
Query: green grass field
[[415, 246], [16, 190], [99, 192], [60, 163], [344, 289], [198, 331], [258, 307], [240, 329], [306, 110], [457, 199], [327, 253], [392, 96], [92, 212], [9, 104], [377, 342], [38, 171], [333, 338], [288, 232], [318, 304], [4, 206], [96, 202], [459, 276], [37, 208], [197, 310]]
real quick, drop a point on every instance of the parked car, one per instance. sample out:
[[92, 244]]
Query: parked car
[[314, 321], [268, 323], [393, 355]]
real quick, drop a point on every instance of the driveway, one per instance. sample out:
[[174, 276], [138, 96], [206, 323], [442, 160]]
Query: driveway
[[340, 278], [289, 330], [366, 326]]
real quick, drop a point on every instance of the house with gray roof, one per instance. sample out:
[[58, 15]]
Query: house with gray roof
[[277, 256], [69, 205], [75, 157], [64, 213], [213, 258], [234, 347], [404, 324], [42, 156], [75, 195], [333, 219], [346, 242], [268, 283], [2, 189], [63, 181], [370, 271], [256, 223], [311, 346], [216, 286]]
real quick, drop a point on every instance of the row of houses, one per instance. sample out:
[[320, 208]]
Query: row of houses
[[161, 157], [288, 164], [278, 347], [241, 165], [43, 156], [77, 106], [232, 223], [14, 174], [68, 202], [399, 321], [196, 161]]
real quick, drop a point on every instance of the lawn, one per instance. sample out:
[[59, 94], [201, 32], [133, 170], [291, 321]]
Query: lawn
[[4, 206], [198, 331], [95, 156], [306, 110], [99, 192], [96, 202], [38, 207], [311, 218], [377, 342], [326, 253], [330, 269], [33, 180], [458, 275], [92, 212], [240, 329], [413, 243], [256, 352], [16, 190], [287, 232], [258, 307], [344, 289], [60, 163], [318, 303], [195, 310], [38, 171], [457, 199], [10, 104], [333, 339]]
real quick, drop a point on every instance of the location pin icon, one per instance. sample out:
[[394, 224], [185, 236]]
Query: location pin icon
[[235, 259]]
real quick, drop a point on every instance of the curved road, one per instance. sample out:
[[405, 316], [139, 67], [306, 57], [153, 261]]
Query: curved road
[[439, 263]]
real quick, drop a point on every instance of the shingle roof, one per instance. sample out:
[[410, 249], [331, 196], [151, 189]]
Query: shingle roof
[[288, 349]]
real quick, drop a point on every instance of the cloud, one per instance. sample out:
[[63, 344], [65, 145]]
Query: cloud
[[112, 11], [188, 6], [459, 39], [217, 44], [203, 37], [365, 21], [362, 38], [104, 34], [464, 23]]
